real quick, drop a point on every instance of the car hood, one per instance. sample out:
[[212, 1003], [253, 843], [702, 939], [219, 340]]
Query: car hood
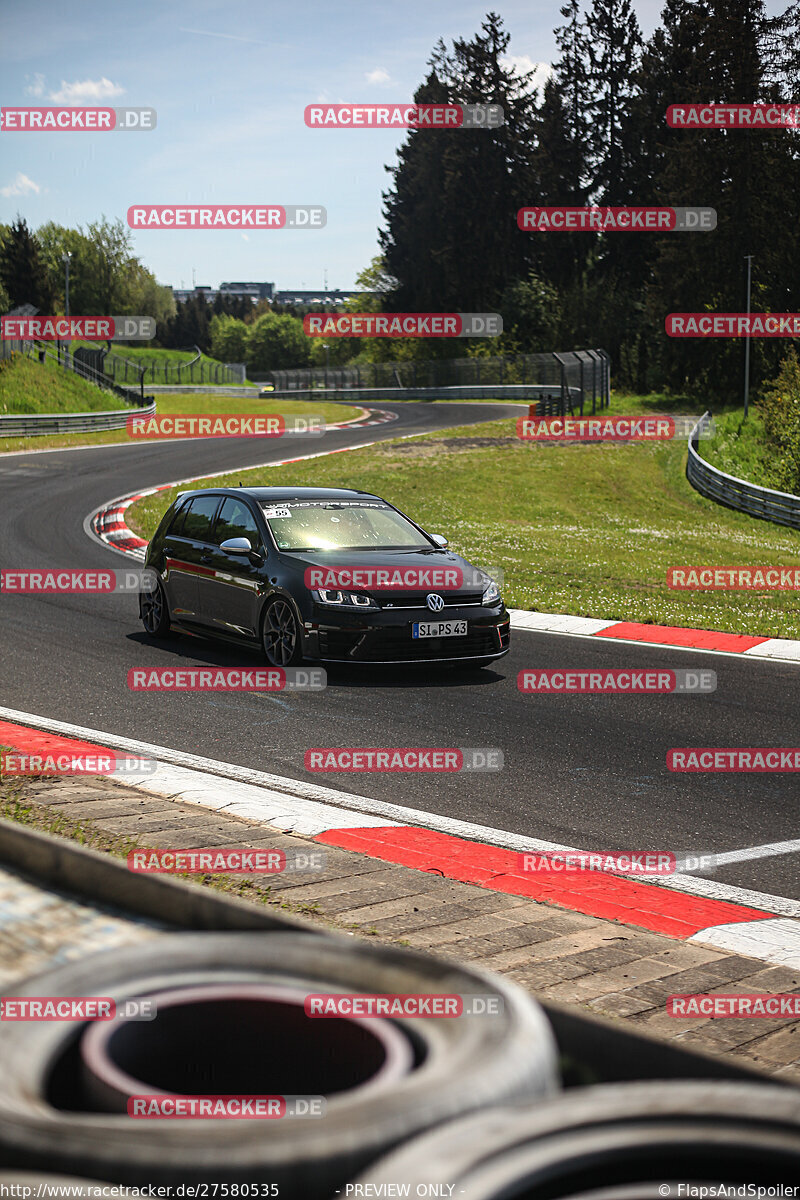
[[472, 578]]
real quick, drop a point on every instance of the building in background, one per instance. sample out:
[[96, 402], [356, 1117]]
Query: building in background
[[266, 291], [251, 291]]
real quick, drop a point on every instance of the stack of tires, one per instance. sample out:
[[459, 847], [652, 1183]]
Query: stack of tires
[[466, 1106], [231, 1021]]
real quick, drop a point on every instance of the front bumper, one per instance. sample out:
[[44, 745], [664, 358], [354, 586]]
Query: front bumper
[[385, 637]]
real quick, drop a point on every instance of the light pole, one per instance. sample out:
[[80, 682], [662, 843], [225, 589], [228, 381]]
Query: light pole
[[327, 350], [65, 257], [749, 259]]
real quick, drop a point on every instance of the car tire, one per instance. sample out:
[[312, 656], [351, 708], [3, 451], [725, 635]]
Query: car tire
[[459, 1065], [154, 612], [594, 1142], [281, 634]]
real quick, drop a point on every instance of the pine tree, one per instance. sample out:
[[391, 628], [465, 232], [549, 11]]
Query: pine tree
[[717, 52], [614, 46], [451, 237], [22, 271]]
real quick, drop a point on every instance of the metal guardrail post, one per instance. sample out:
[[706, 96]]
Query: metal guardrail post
[[605, 378], [565, 397]]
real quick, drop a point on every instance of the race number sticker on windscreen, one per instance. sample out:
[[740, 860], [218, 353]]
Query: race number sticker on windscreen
[[269, 513]]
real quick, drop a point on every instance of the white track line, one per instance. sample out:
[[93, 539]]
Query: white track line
[[328, 808]]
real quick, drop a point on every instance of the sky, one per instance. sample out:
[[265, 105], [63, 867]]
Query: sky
[[230, 82]]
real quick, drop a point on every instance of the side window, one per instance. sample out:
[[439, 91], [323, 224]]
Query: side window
[[235, 520], [177, 521], [199, 518]]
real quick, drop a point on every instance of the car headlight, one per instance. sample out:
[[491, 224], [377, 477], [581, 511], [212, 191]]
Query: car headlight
[[339, 599], [491, 595]]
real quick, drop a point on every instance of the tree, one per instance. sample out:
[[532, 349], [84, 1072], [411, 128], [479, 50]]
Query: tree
[[451, 237], [614, 44], [531, 314], [22, 272], [276, 343], [109, 260], [146, 297], [228, 338], [718, 50]]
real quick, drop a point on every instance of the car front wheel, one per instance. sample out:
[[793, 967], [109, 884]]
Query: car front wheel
[[280, 635]]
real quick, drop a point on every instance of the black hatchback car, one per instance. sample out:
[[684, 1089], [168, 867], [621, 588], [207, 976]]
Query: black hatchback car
[[329, 574]]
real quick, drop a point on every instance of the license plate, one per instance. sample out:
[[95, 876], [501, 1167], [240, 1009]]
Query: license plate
[[423, 629]]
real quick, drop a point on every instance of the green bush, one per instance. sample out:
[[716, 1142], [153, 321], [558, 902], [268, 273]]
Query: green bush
[[780, 407]]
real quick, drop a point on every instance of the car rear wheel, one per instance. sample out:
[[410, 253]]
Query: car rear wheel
[[154, 611], [280, 635]]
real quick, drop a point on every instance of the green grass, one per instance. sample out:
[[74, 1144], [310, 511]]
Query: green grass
[[28, 386], [586, 529], [654, 402], [741, 448], [188, 403]]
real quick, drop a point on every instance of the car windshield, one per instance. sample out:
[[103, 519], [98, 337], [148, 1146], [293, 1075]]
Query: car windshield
[[341, 525]]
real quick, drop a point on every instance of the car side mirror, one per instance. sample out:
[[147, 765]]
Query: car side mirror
[[243, 547], [440, 540]]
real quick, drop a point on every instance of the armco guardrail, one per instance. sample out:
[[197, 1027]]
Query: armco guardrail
[[34, 425], [780, 507]]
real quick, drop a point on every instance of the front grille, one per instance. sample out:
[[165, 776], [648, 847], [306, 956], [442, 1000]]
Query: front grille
[[417, 600]]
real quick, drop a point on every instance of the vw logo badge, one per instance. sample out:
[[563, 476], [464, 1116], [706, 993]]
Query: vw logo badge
[[435, 603]]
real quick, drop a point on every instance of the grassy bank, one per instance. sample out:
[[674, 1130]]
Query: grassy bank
[[28, 387], [741, 448]]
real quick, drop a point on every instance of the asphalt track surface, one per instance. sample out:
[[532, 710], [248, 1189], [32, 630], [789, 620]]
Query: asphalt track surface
[[587, 771]]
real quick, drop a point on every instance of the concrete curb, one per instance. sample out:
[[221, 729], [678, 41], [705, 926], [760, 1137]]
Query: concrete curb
[[686, 908]]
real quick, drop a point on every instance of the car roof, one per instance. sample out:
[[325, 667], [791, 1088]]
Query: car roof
[[262, 494]]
